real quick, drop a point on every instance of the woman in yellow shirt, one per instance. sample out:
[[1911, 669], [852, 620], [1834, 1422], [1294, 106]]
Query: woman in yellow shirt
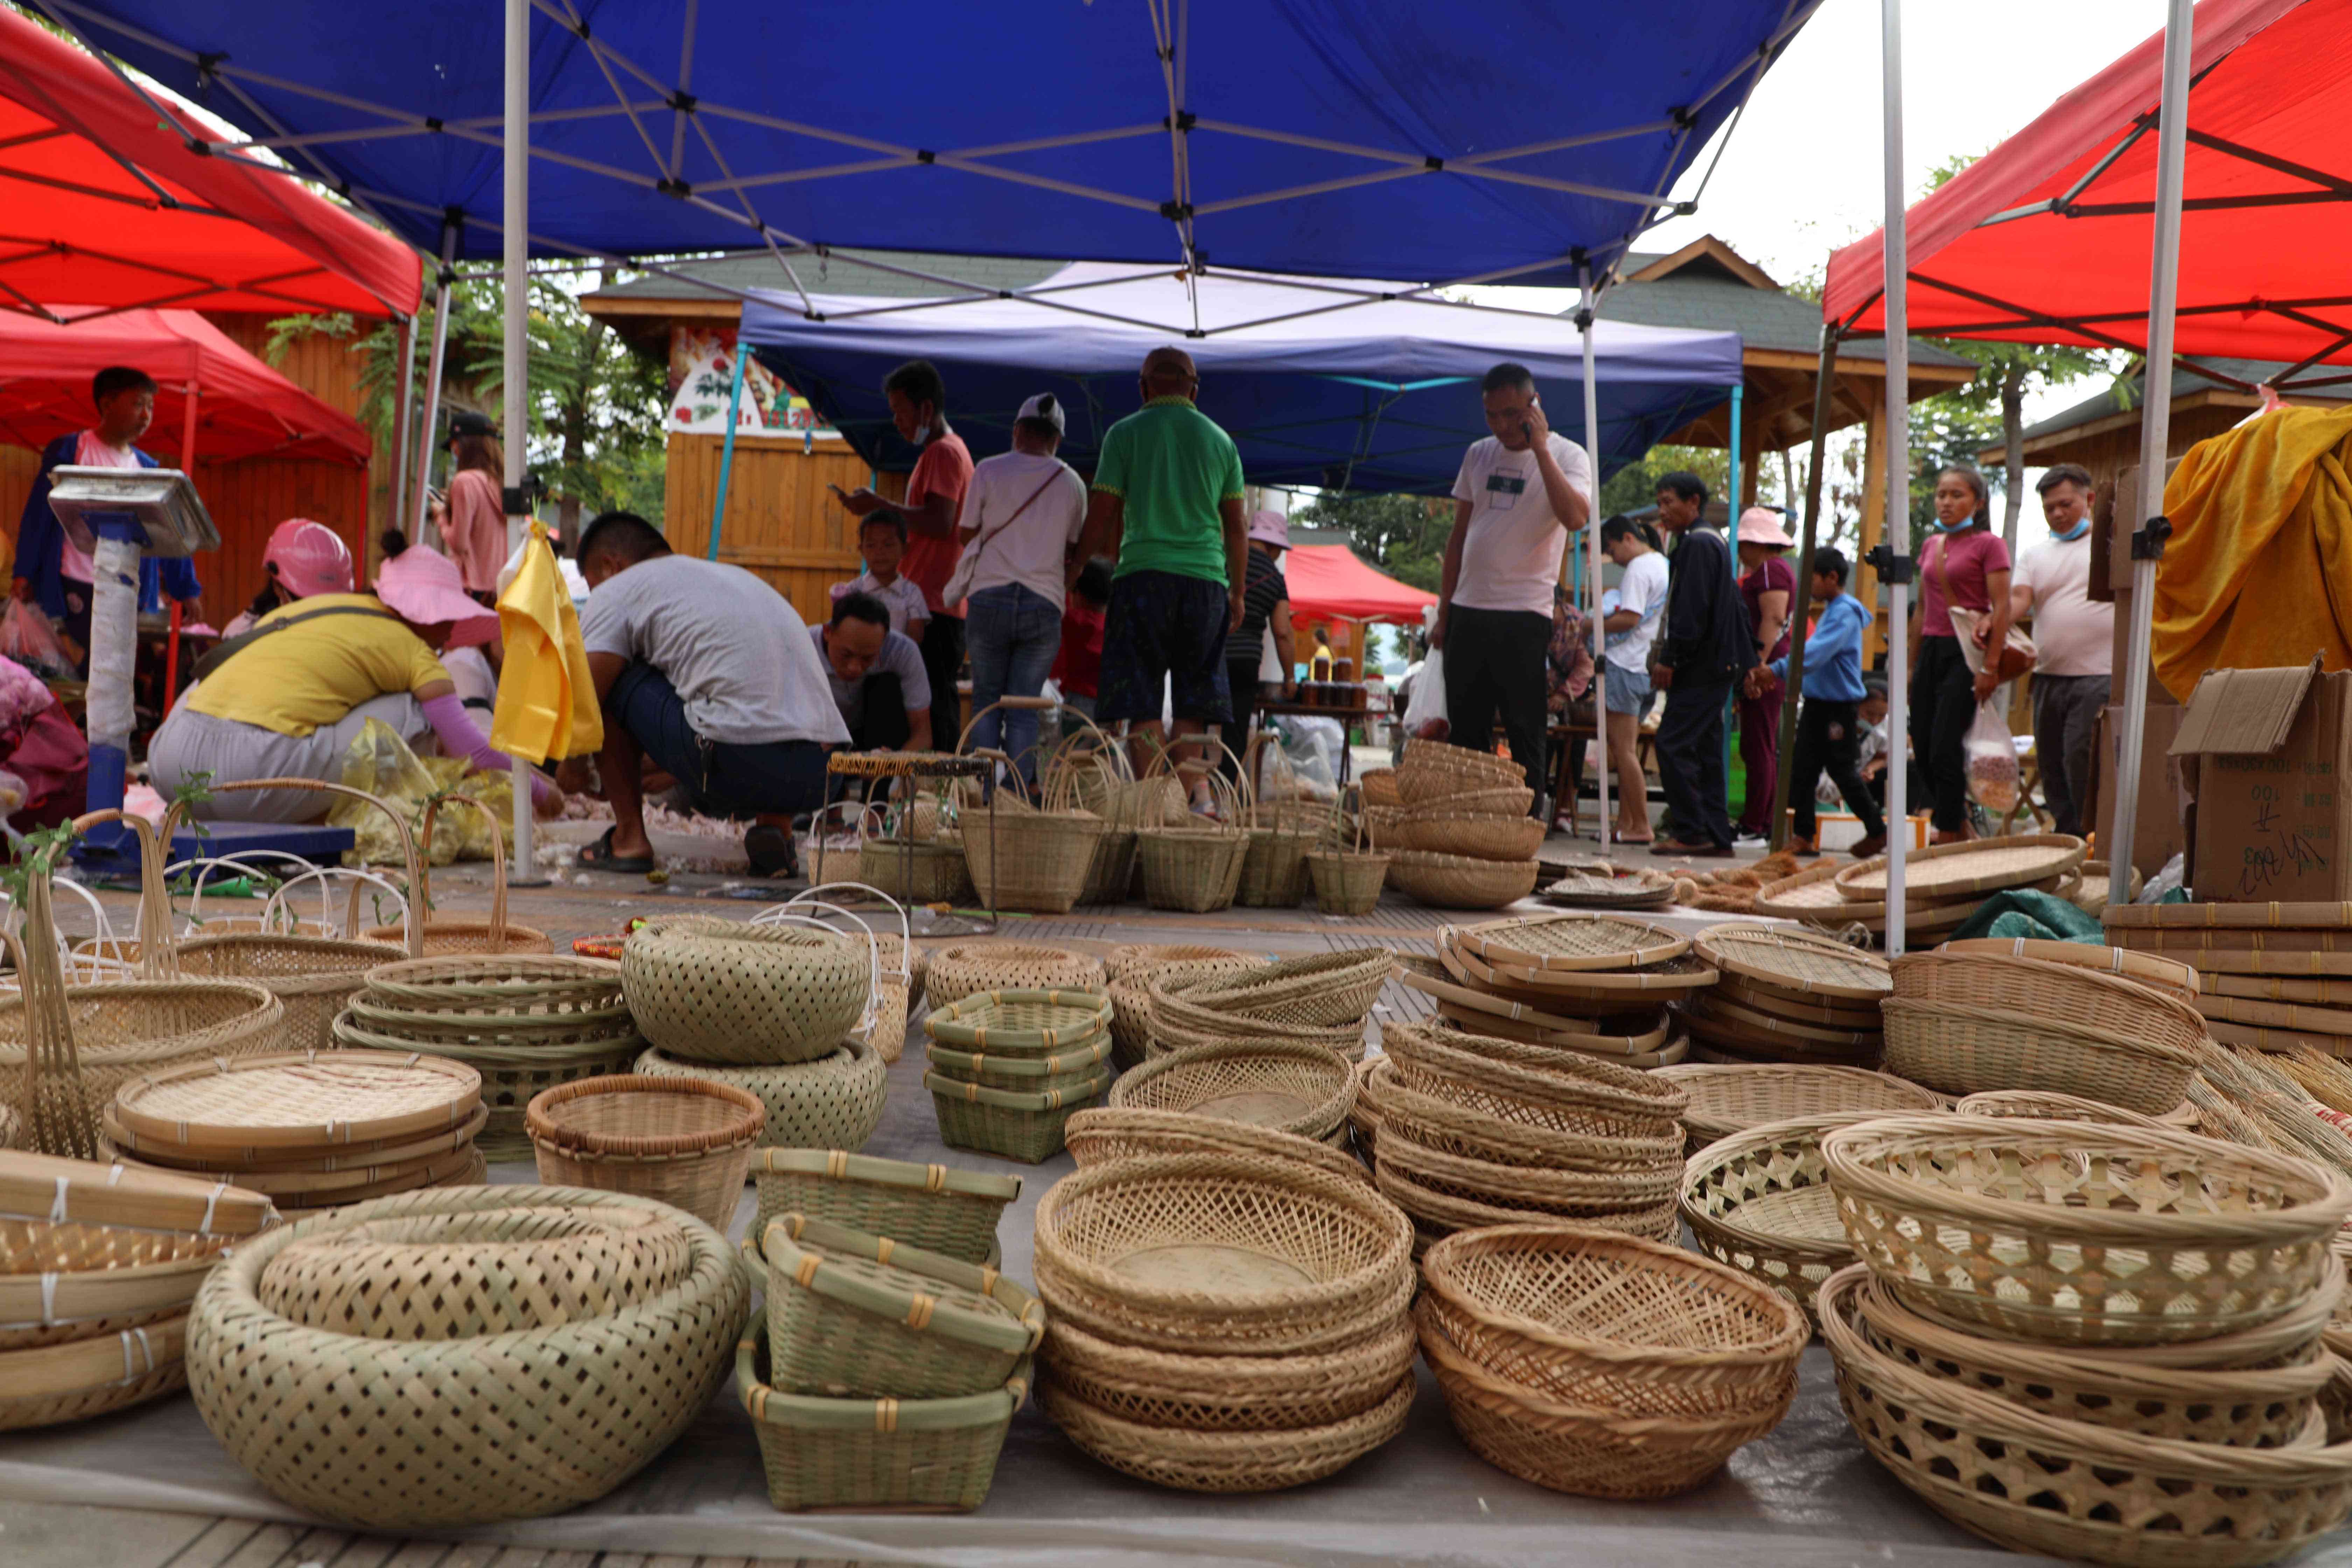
[[290, 702]]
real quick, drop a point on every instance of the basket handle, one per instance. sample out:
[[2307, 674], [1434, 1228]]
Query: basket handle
[[322, 875], [810, 898], [156, 954], [415, 869], [415, 923], [776, 917], [54, 1102], [1242, 798]]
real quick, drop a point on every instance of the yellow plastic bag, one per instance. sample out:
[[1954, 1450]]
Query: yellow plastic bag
[[379, 763]]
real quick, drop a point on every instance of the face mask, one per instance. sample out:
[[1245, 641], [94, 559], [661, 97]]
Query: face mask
[[922, 434], [2072, 534]]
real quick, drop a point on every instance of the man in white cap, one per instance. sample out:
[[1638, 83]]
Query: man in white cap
[[1022, 515], [1265, 609], [1767, 587]]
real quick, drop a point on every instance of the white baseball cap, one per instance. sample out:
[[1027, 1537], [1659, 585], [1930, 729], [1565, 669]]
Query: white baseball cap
[[1048, 407]]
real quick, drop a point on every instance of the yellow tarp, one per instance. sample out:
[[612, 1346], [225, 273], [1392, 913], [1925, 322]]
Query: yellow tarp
[[2259, 572], [547, 699]]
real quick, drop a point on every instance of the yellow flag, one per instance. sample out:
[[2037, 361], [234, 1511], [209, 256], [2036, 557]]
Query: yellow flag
[[547, 699]]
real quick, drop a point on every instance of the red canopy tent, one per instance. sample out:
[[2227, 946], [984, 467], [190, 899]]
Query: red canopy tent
[[1331, 580], [106, 205], [2046, 237], [243, 408]]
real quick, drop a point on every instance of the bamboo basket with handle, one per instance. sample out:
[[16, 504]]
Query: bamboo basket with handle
[[1036, 861], [1346, 869], [1274, 867], [1196, 867], [442, 938]]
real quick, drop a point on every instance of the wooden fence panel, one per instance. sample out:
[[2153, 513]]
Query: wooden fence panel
[[781, 521]]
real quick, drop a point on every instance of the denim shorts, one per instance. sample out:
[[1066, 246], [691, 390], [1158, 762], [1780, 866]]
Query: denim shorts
[[1625, 692]]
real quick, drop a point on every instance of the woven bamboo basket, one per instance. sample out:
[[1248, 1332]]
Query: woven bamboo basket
[[1175, 1027], [64, 1049], [2078, 1234], [2046, 1107], [1348, 866], [1226, 1393], [1323, 989], [1449, 828], [1065, 1069], [1606, 1321], [2264, 1406], [2069, 1489], [1433, 770], [1024, 858], [726, 990], [422, 1434], [953, 1213], [1608, 1100], [1274, 867], [449, 939], [1022, 1023], [1733, 1098], [1968, 1050], [1024, 1127], [1460, 881], [685, 1141], [313, 975], [1579, 1450], [1175, 1253], [1227, 1461], [1437, 1213], [916, 869], [1196, 865], [1098, 1136], [1380, 787], [875, 1455], [967, 968], [833, 1102], [88, 1251], [1760, 1201], [2066, 993], [855, 1316], [1560, 1192], [2173, 979], [1458, 1117], [1126, 971], [1383, 826], [1364, 1120], [1297, 1089]]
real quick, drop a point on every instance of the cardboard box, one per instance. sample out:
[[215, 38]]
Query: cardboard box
[[2264, 754], [2159, 833]]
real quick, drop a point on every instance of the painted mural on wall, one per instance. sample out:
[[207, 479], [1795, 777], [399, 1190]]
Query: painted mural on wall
[[701, 369]]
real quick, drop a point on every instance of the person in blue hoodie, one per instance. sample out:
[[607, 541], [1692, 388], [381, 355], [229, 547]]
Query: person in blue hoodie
[[1829, 727]]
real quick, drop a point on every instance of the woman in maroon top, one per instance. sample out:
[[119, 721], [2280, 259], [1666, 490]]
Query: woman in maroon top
[[1965, 566], [1768, 586]]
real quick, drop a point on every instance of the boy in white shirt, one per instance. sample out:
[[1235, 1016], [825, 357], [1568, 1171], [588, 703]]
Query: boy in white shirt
[[882, 541]]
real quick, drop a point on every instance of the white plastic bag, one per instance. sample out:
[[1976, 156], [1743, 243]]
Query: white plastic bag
[[1991, 754], [1424, 716]]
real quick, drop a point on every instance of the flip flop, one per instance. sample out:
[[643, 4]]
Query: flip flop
[[599, 856]]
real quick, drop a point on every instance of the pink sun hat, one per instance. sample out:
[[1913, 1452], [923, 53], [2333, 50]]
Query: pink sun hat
[[422, 586], [1272, 527], [1761, 525]]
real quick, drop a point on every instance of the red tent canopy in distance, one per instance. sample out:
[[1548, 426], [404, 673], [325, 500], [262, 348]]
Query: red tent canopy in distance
[[243, 409], [79, 226], [2267, 217], [1331, 580]]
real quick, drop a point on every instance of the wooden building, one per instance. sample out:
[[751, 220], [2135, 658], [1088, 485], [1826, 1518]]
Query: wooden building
[[780, 520]]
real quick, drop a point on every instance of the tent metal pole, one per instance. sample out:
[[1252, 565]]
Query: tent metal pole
[[1894, 563], [2155, 437], [727, 452], [419, 516], [1593, 565], [515, 427], [403, 405], [1824, 379]]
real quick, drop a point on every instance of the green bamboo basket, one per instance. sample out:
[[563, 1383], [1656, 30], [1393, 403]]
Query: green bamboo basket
[[1022, 1023], [855, 1316], [875, 1455], [1024, 1127], [953, 1212], [1024, 1075]]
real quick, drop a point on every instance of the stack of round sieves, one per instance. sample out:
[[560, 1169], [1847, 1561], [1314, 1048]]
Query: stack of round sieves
[[1942, 886], [310, 1128], [1596, 984], [1785, 996], [1321, 999], [1463, 839]]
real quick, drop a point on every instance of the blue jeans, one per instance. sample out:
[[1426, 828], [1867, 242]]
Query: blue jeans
[[1011, 635]]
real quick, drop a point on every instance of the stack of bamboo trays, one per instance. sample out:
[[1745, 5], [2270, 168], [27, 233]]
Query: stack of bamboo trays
[[1784, 996], [2275, 977], [1942, 886], [1007, 1068], [308, 1129], [1323, 999], [1592, 983]]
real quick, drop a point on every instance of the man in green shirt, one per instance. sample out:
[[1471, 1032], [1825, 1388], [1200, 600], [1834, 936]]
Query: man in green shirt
[[1167, 504]]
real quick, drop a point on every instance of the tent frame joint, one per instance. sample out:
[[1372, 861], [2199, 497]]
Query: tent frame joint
[[1892, 566], [2148, 540]]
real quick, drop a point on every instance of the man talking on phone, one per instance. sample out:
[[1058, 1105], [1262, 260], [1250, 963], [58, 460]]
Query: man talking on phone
[[1521, 493]]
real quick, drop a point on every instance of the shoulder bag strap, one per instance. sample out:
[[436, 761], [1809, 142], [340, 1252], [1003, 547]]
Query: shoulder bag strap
[[981, 543], [229, 649]]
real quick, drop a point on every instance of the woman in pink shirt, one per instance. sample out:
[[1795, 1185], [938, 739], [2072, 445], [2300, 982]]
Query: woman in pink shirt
[[474, 538], [1965, 566]]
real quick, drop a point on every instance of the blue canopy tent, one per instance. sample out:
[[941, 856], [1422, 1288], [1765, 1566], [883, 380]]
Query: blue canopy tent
[[1383, 398], [1521, 143]]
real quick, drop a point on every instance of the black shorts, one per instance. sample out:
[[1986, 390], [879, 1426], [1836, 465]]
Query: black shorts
[[1163, 625]]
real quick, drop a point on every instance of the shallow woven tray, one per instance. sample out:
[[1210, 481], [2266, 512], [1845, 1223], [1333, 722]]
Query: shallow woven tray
[[1728, 1099], [231, 1163], [2160, 973], [2074, 996], [1105, 1133], [1299, 1088], [1713, 1006], [1947, 873], [1968, 1050], [1324, 989], [1827, 1012], [47, 1385], [300, 1101], [2332, 990], [1439, 1213], [1557, 1193], [2035, 1105], [1632, 1103], [1640, 888], [1812, 895], [2066, 1232], [1227, 1461], [1571, 943], [1601, 990], [2315, 917], [1796, 961]]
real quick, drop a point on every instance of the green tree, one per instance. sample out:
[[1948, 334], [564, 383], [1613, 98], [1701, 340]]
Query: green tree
[[1403, 535], [1634, 487]]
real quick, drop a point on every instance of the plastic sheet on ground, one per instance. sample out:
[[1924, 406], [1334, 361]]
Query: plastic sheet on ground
[[1805, 1497], [379, 762]]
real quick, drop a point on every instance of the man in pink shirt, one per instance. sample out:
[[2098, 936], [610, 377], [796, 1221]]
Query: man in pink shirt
[[934, 501]]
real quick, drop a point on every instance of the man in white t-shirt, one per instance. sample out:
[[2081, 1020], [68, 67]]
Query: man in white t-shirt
[[2074, 640], [1022, 515], [1521, 493]]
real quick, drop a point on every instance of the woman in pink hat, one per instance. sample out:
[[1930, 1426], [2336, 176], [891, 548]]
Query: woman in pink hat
[[288, 698], [303, 559], [1767, 585]]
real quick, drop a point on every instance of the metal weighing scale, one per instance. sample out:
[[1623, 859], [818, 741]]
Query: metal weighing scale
[[117, 515]]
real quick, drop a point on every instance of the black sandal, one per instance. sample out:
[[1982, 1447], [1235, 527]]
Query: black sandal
[[599, 856], [771, 852]]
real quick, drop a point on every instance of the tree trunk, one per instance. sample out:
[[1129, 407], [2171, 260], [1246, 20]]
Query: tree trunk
[[1788, 480], [2012, 438]]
